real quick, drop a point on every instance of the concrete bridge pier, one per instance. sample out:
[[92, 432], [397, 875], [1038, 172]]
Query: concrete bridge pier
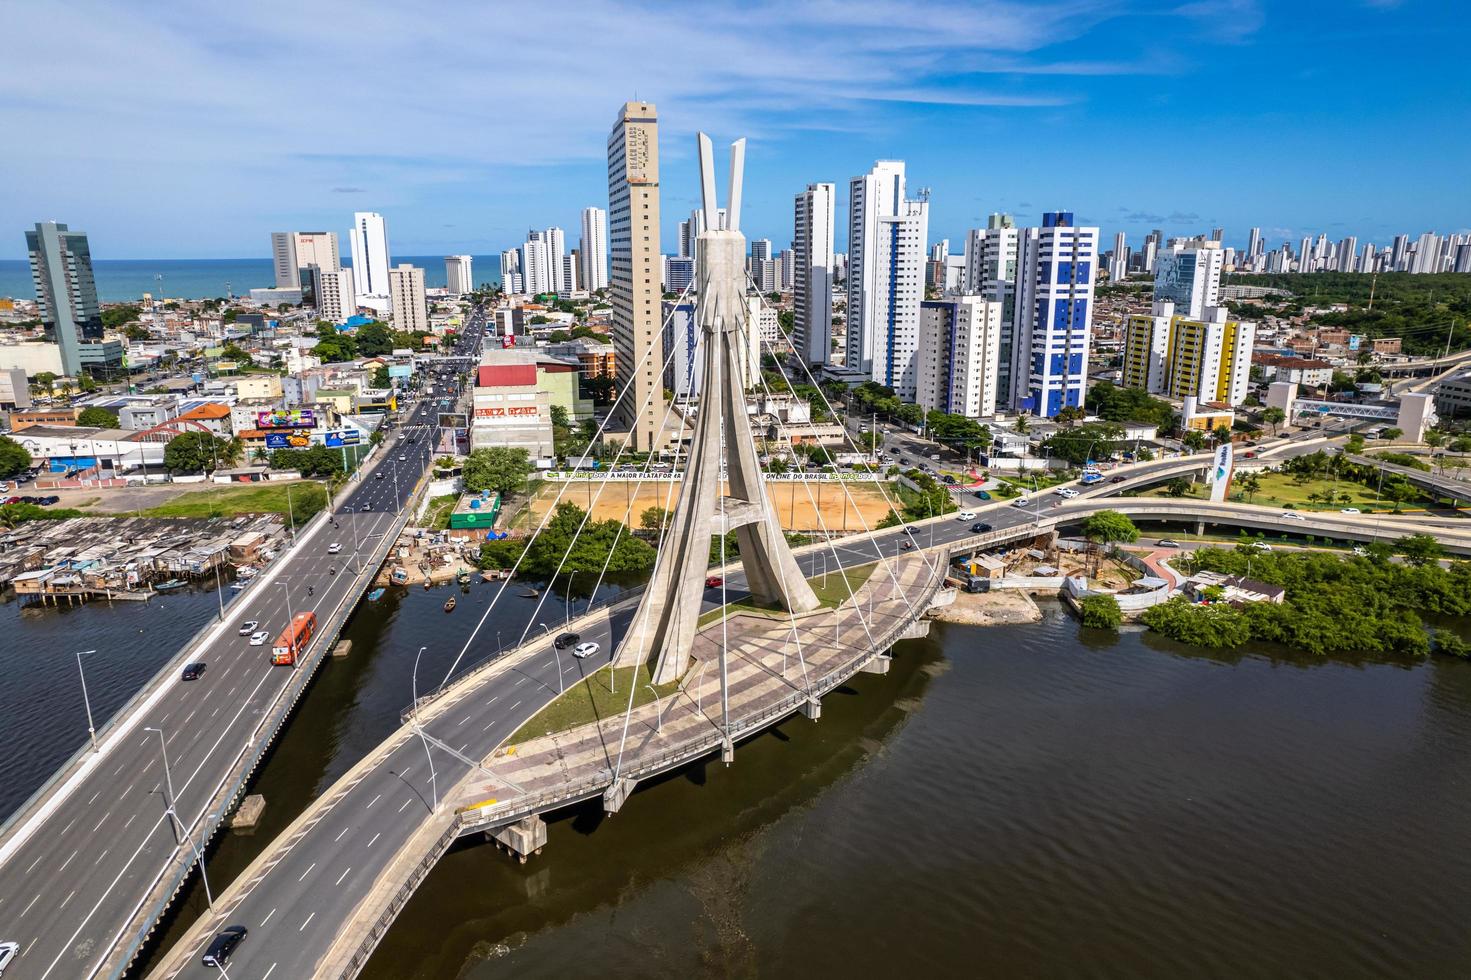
[[727, 751], [812, 709], [1199, 527], [615, 795], [878, 665], [523, 838]]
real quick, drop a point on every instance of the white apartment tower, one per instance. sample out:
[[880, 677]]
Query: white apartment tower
[[1118, 263], [511, 281], [1188, 274], [594, 249], [990, 272], [959, 356], [812, 287], [369, 242], [406, 298], [874, 195], [333, 288], [536, 270], [458, 276]]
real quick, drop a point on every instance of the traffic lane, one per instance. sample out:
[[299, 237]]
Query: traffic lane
[[307, 893], [191, 751]]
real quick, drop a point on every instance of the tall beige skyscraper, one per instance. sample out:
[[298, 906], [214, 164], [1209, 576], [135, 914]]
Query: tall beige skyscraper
[[406, 298], [633, 247]]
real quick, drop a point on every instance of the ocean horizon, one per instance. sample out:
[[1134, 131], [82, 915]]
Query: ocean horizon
[[124, 280]]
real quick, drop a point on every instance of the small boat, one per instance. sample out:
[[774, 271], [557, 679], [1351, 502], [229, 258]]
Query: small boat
[[427, 583], [449, 604], [463, 576], [399, 576], [375, 595], [170, 585], [237, 586], [246, 572], [530, 594]]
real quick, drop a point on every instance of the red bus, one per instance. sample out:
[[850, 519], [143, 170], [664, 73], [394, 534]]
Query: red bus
[[294, 639]]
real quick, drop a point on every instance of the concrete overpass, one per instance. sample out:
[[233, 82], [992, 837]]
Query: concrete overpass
[[1457, 491]]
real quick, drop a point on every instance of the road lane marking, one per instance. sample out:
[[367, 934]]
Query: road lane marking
[[307, 871], [516, 705], [28, 906], [375, 838], [102, 821], [67, 827], [519, 680], [374, 800], [488, 727], [267, 918], [65, 900], [269, 972], [34, 863], [405, 803], [304, 924], [340, 877], [64, 864], [130, 821], [340, 833]]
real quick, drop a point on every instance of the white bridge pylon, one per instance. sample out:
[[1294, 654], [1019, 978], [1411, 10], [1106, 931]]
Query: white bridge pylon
[[665, 624]]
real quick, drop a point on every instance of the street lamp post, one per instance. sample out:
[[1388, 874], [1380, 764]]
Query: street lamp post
[[555, 652], [433, 776], [91, 731], [567, 605]]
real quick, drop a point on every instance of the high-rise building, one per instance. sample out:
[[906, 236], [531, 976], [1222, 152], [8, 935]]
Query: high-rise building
[[1188, 274], [899, 289], [1425, 256], [570, 282], [406, 293], [334, 294], [812, 287], [872, 196], [786, 270], [511, 271], [594, 250], [293, 252], [369, 242], [684, 374], [458, 275], [959, 356], [1399, 254], [556, 251], [633, 247], [679, 273], [1206, 358], [61, 268], [1118, 262], [1254, 243], [760, 252], [1054, 315], [1218, 235], [766, 276], [990, 272], [536, 270]]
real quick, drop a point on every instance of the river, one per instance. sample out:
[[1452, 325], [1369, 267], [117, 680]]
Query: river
[[1031, 800]]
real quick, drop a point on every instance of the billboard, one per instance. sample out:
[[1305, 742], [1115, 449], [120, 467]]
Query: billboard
[[286, 418], [287, 440], [400, 370], [1221, 472], [337, 438]]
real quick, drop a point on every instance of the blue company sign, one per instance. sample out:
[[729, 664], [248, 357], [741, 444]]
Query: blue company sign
[[277, 440], [338, 438]]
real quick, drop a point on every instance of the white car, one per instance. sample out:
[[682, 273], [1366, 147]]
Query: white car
[[966, 515], [1019, 502], [1350, 510], [248, 627], [1066, 493], [584, 650], [333, 548], [8, 952], [1292, 515], [1261, 546], [259, 638], [1360, 551]]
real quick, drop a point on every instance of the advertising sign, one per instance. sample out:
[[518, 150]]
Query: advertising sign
[[1221, 472], [286, 418], [287, 440], [337, 438], [400, 370], [276, 440]]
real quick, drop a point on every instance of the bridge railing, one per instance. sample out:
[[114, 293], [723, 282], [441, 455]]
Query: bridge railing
[[232, 785], [400, 898]]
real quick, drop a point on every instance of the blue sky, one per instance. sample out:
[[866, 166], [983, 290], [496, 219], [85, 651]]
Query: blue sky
[[193, 129]]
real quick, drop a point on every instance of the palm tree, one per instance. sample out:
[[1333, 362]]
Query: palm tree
[[1251, 485]]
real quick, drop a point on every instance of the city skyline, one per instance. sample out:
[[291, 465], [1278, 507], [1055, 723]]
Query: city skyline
[[974, 98]]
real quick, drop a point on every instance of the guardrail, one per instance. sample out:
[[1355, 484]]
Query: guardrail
[[165, 675], [246, 762]]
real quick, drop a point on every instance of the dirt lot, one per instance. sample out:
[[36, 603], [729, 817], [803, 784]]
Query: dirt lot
[[794, 507], [122, 500]]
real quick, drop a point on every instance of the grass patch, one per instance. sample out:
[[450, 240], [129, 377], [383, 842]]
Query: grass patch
[[591, 699], [307, 498], [832, 594], [436, 517], [1279, 489]]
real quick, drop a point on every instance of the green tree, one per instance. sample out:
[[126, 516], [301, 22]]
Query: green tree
[[1092, 440], [1251, 485], [97, 417], [1194, 440], [1391, 433], [1100, 612], [134, 332], [374, 338], [1109, 527], [1354, 444], [1178, 487], [14, 458], [1420, 549], [561, 545], [500, 469], [119, 315], [1274, 417], [1434, 438], [195, 452], [654, 518], [45, 382]]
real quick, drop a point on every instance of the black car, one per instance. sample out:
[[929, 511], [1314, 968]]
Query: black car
[[979, 527], [908, 529], [193, 671], [566, 640], [223, 945]]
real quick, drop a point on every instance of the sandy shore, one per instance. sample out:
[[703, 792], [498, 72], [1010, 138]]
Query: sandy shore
[[990, 609]]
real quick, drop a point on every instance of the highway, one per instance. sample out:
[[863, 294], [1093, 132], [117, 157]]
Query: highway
[[310, 881], [75, 872]]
